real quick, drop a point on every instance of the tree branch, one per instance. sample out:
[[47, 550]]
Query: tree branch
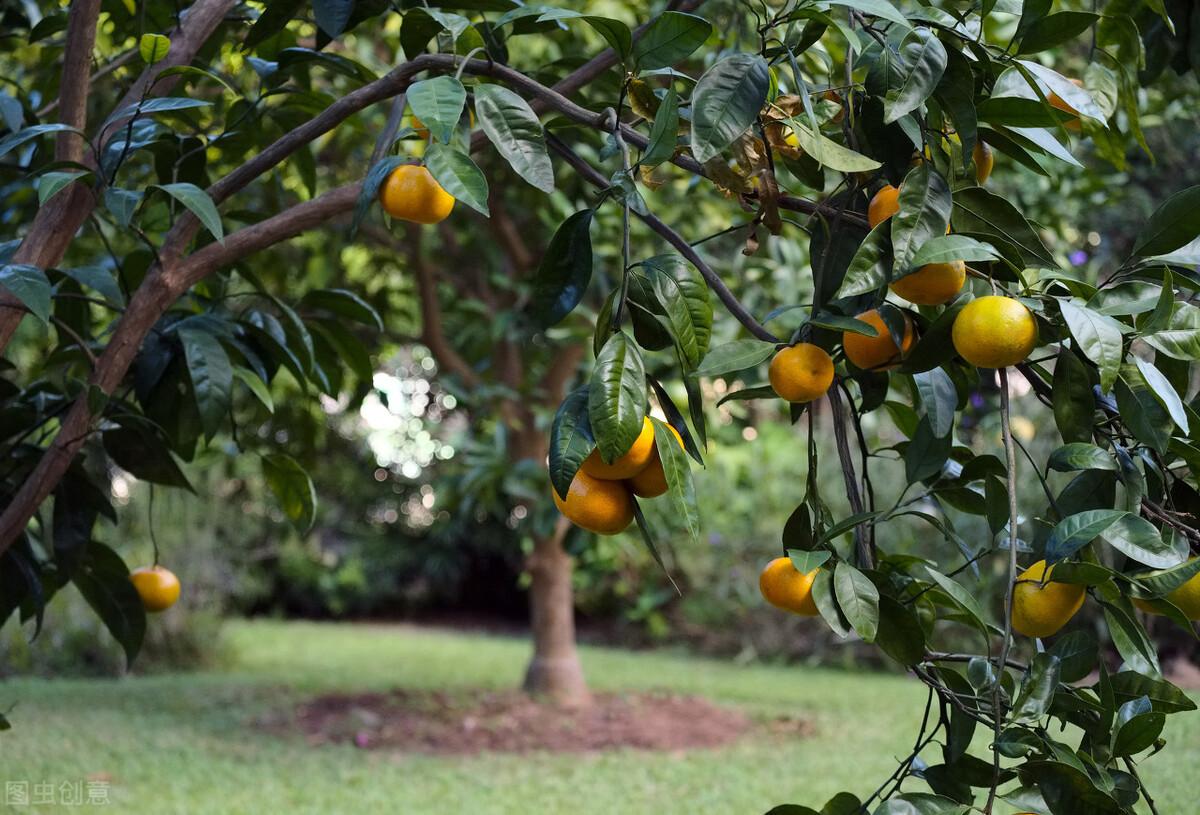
[[73, 86], [672, 237], [866, 558]]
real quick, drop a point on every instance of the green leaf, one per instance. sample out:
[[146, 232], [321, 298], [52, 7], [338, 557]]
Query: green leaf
[[680, 488], [1139, 540], [1099, 338], [805, 560], [369, 193], [153, 48], [458, 175], [726, 102], [103, 580], [922, 63], [979, 212], [343, 303], [122, 204], [614, 32], [514, 129], [1077, 652], [1080, 456], [99, 279], [828, 152], [648, 539], [29, 285], [1175, 223], [670, 37], [1056, 29], [332, 15], [1164, 391], [734, 356], [1162, 582], [1074, 404], [617, 397], [1162, 694], [663, 133], [260, 389], [564, 272], [839, 322], [1037, 689], [145, 455], [900, 635], [438, 103], [1141, 411], [938, 400], [199, 203], [1137, 727], [858, 599], [925, 206], [1130, 640], [12, 115], [212, 377], [571, 440], [1076, 531], [949, 248], [920, 803], [926, 453], [876, 8], [14, 140], [870, 268], [961, 597], [50, 184], [693, 290], [823, 596], [292, 487]]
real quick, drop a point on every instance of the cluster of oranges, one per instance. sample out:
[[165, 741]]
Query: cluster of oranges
[[600, 498], [990, 332]]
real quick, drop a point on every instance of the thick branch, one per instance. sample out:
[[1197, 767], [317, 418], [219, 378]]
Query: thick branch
[[73, 85], [431, 313], [55, 224], [672, 237]]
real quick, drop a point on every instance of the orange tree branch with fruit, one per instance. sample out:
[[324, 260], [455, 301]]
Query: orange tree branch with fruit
[[880, 123]]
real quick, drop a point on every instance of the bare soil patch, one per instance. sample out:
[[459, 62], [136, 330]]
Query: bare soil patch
[[454, 724]]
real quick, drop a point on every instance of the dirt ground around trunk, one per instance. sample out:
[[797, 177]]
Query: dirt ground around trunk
[[511, 722]]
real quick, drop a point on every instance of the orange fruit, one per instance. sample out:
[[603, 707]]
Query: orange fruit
[[158, 587], [801, 372], [1186, 598], [599, 506], [884, 205], [784, 587], [627, 465], [994, 332], [1057, 101], [984, 160], [651, 482], [878, 352], [410, 193], [1042, 610], [933, 284]]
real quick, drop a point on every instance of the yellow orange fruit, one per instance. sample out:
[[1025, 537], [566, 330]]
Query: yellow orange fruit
[[884, 205], [933, 284], [994, 332], [1041, 610], [632, 462], [603, 507], [157, 586], [801, 372], [651, 482], [878, 352], [1057, 101], [410, 193], [1186, 598], [784, 587], [984, 160]]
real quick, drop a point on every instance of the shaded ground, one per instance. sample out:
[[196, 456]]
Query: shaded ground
[[443, 723]]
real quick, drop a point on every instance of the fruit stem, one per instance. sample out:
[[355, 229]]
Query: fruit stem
[[1010, 454]]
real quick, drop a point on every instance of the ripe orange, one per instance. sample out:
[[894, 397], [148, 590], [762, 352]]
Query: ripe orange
[[1041, 610], [599, 506], [627, 465], [784, 587], [1186, 598], [994, 332], [884, 205], [984, 160], [933, 284], [651, 482], [878, 352], [410, 193], [158, 587], [801, 372]]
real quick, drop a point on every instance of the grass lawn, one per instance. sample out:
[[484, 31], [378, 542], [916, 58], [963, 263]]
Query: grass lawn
[[181, 744]]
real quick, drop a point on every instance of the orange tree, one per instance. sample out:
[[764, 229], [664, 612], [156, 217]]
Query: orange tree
[[878, 123]]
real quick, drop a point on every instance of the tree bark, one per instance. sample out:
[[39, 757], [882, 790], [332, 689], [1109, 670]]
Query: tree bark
[[554, 671]]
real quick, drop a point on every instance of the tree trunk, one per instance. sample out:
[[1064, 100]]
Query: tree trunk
[[554, 672]]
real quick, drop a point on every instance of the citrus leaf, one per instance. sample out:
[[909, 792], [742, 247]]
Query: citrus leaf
[[734, 356], [663, 133], [458, 175], [292, 487], [153, 48], [1099, 338], [680, 488], [571, 440], [726, 103], [858, 599], [564, 272], [1175, 223], [212, 377], [828, 152], [925, 206], [669, 38], [617, 397], [922, 63], [50, 184], [369, 193], [949, 248], [1080, 456], [1076, 531], [438, 103], [514, 129], [1139, 540], [199, 203], [30, 285]]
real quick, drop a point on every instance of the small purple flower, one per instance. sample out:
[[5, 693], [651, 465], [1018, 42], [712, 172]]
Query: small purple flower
[[361, 739], [977, 400], [1078, 257]]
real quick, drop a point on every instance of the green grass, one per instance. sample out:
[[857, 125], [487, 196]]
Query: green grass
[[182, 744]]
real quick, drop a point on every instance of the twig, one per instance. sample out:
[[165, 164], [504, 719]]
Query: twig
[[866, 559]]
